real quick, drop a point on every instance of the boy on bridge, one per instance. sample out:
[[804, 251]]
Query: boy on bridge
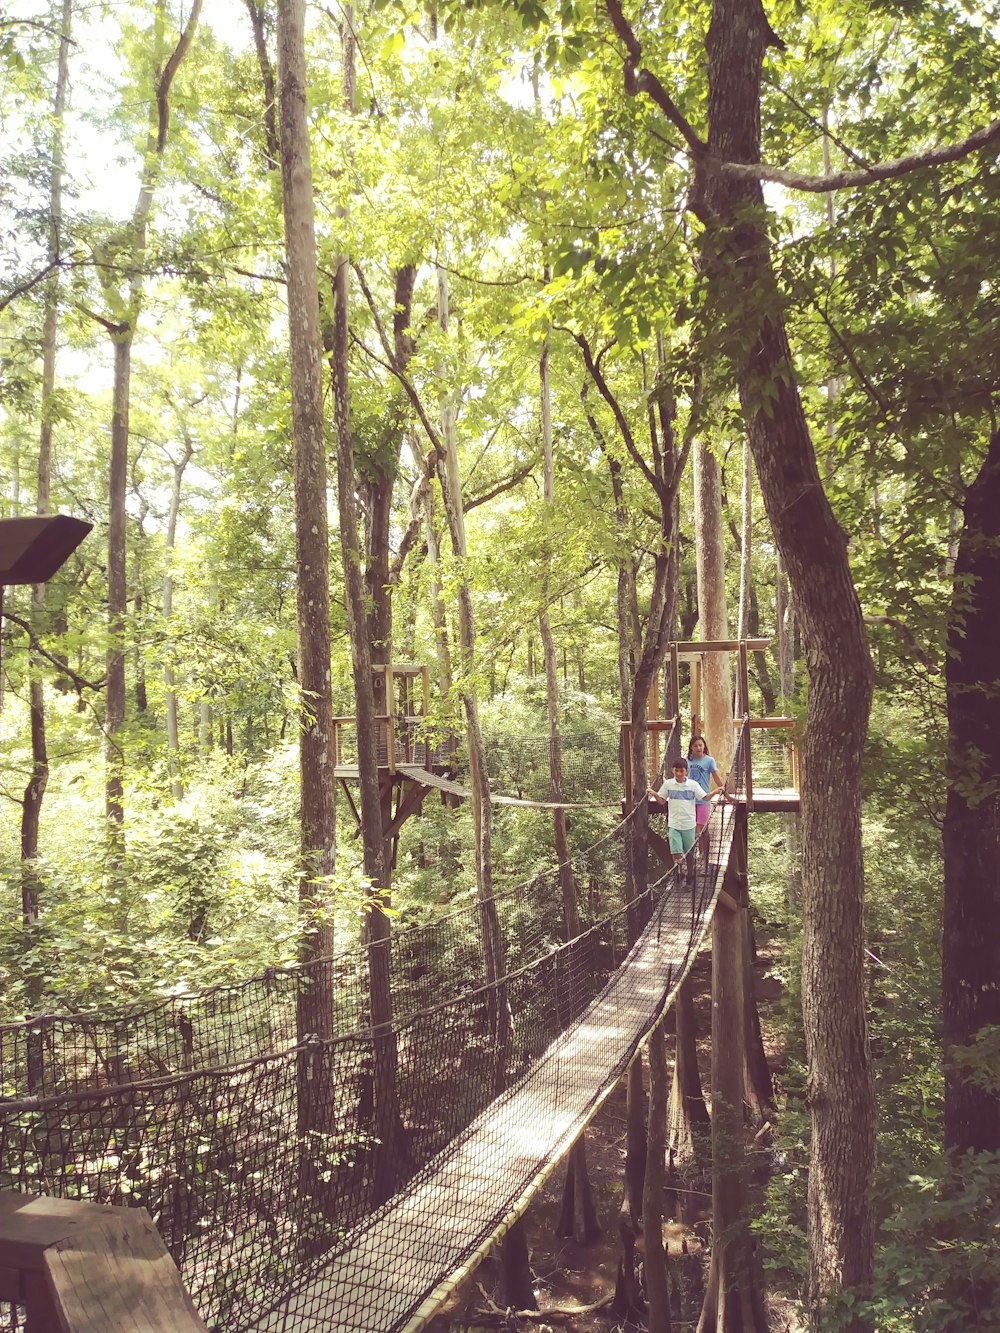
[[681, 795]]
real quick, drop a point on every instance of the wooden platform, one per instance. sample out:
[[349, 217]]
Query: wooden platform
[[773, 800], [79, 1267], [407, 1259]]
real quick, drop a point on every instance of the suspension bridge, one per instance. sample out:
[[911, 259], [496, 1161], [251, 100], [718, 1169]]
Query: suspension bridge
[[350, 1177]]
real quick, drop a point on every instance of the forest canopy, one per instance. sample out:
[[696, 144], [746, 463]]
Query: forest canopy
[[513, 342]]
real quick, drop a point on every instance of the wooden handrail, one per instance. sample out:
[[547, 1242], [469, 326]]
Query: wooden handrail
[[766, 722], [78, 1267]]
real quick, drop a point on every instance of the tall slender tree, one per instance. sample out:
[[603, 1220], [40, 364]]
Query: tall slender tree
[[318, 812]]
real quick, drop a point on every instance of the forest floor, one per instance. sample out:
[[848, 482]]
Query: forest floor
[[575, 1284]]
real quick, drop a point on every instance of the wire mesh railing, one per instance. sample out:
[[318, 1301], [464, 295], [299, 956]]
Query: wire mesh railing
[[258, 1150], [233, 1023], [775, 756]]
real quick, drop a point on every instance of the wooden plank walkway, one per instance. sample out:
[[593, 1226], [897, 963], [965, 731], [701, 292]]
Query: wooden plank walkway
[[415, 773], [405, 1261]]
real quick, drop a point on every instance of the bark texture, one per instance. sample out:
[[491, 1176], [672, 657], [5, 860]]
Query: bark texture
[[814, 551], [314, 1010], [971, 942], [733, 1299]]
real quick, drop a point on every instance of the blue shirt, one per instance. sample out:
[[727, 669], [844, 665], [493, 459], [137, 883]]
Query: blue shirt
[[702, 769]]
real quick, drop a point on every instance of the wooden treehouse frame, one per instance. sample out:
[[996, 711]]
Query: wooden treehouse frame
[[663, 734]]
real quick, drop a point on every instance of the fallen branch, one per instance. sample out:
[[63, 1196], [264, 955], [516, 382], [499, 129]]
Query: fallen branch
[[495, 1317]]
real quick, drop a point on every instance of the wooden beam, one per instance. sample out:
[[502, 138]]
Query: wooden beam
[[720, 645], [765, 722], [413, 795], [350, 801]]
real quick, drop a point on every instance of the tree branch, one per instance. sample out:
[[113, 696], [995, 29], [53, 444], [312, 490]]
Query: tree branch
[[391, 364], [597, 375], [638, 80], [645, 81], [64, 668], [515, 479], [846, 180], [909, 637]]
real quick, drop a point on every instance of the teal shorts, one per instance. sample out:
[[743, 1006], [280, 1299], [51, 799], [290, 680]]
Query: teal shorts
[[681, 839]]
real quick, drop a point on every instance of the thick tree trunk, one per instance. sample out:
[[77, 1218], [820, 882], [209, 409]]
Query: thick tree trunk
[[688, 1114], [746, 535], [814, 550], [517, 1279], [713, 616], [314, 1017], [628, 1299], [971, 941], [391, 1152], [733, 1299]]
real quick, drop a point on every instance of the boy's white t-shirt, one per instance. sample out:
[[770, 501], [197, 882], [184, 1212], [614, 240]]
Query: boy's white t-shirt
[[682, 798]]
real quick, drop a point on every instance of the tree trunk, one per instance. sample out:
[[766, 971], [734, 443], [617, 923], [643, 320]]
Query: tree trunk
[[758, 1086], [258, 20], [655, 1264], [493, 949], [688, 1114], [733, 1300], [578, 1217], [122, 333], [628, 1299], [314, 1010], [34, 793], [517, 1280], [971, 940], [814, 550], [391, 1152], [438, 618], [117, 593], [713, 618], [746, 536], [170, 700]]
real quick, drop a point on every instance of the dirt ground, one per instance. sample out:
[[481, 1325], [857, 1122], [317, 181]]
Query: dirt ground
[[574, 1284]]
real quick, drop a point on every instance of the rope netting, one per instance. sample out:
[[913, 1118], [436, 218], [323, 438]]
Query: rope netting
[[233, 1023], [260, 1154]]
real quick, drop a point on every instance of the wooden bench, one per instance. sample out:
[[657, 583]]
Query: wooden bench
[[80, 1267]]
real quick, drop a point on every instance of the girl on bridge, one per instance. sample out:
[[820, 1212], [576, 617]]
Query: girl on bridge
[[705, 771]]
